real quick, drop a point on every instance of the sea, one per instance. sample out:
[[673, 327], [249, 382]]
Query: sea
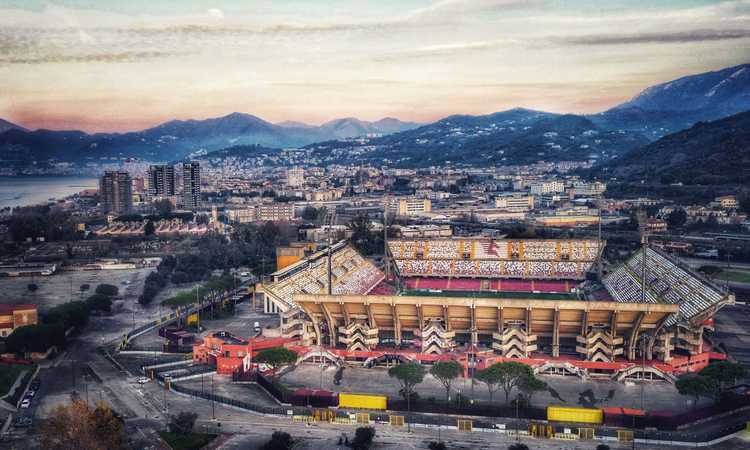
[[33, 190]]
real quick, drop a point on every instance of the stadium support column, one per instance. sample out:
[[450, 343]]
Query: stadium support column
[[634, 332], [370, 316], [446, 318], [396, 325], [474, 331], [331, 325], [556, 334]]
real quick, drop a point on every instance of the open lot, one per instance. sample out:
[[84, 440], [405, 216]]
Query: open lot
[[65, 286], [570, 391], [733, 332]]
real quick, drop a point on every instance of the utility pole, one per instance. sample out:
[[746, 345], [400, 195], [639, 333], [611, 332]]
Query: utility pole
[[643, 228]]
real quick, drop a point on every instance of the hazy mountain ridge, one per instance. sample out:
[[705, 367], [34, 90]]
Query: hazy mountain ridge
[[508, 137], [178, 138]]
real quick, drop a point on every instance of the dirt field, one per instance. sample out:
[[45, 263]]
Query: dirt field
[[65, 286]]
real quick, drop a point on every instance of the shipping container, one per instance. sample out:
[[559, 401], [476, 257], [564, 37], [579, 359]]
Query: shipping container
[[579, 415], [313, 397], [362, 401]]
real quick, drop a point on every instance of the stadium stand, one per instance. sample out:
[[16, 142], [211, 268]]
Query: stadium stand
[[350, 274], [667, 281], [485, 258]]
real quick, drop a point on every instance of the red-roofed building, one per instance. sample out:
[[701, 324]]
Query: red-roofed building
[[14, 316]]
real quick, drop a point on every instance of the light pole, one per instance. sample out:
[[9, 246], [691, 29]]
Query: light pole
[[213, 403]]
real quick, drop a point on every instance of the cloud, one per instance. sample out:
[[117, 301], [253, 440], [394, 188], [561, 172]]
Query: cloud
[[122, 57], [216, 13], [654, 37]]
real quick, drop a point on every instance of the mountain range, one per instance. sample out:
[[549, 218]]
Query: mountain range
[[509, 137], [177, 139], [709, 153]]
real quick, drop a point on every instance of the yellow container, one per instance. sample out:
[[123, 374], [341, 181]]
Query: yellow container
[[579, 415], [362, 401]]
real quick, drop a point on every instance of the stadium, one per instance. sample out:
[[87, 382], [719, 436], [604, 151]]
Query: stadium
[[481, 301]]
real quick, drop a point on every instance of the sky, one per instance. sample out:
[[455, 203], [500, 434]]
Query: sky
[[103, 65]]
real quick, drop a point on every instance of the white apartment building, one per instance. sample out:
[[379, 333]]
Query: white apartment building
[[515, 202], [547, 187]]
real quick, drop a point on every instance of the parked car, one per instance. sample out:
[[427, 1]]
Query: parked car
[[26, 403], [30, 393], [143, 380]]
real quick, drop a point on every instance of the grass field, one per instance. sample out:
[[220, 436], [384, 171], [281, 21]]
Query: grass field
[[739, 276], [8, 375], [486, 294], [192, 441]]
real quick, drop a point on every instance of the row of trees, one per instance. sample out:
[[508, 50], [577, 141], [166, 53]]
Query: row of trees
[[505, 375], [51, 332], [711, 381]]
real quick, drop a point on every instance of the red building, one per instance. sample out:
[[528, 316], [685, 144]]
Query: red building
[[231, 354]]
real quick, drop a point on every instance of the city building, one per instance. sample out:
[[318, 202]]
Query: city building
[[727, 201], [191, 185], [14, 316], [116, 191], [295, 176], [161, 181], [547, 187], [275, 212], [242, 215], [409, 206], [515, 202]]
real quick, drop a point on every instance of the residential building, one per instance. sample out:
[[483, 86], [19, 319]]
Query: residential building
[[191, 185], [727, 201], [547, 187], [161, 181], [295, 176], [409, 206], [242, 215], [276, 212], [515, 202], [116, 191]]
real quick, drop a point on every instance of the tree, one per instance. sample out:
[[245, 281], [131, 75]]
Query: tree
[[602, 447], [310, 213], [276, 357], [445, 372], [409, 375], [32, 287], [434, 445], [490, 377], [84, 287], [363, 437], [279, 441], [695, 386], [99, 302], [163, 207], [149, 229], [530, 385], [363, 237], [518, 446], [183, 422], [107, 289], [78, 426], [505, 375], [677, 218], [35, 338], [725, 373]]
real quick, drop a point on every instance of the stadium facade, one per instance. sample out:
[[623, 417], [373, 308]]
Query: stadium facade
[[481, 301]]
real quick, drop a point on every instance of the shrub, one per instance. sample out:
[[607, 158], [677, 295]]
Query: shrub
[[107, 289], [279, 441], [183, 423]]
